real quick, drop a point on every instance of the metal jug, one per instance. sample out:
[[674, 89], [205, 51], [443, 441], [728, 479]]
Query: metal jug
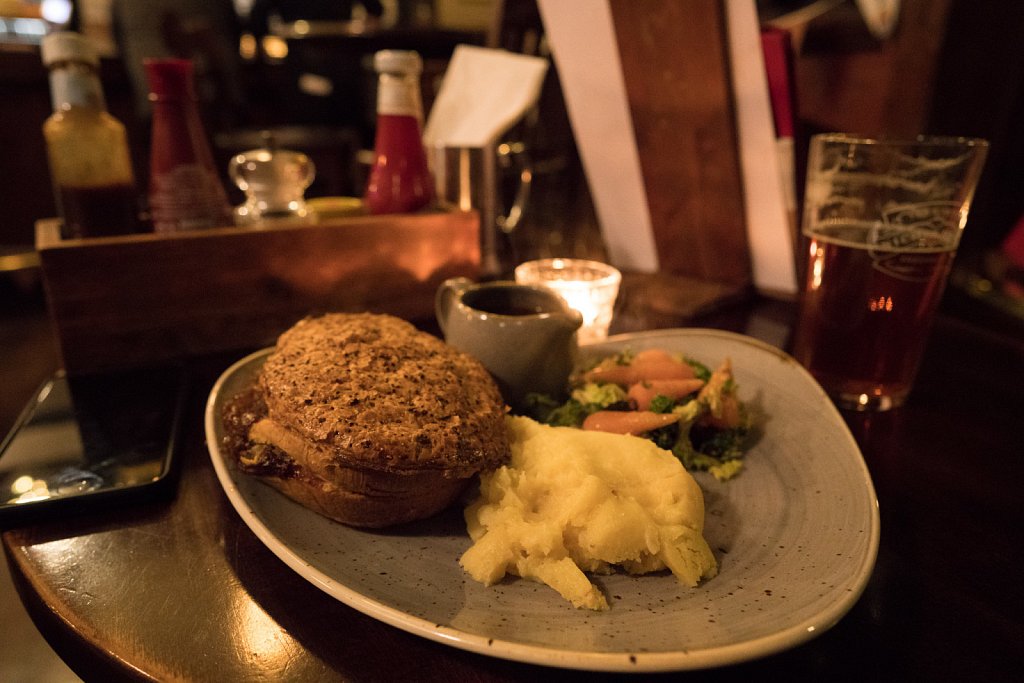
[[469, 178]]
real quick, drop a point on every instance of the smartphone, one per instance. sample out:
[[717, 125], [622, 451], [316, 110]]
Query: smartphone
[[92, 441]]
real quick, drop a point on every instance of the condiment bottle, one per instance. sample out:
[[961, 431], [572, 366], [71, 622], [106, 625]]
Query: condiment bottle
[[400, 180], [87, 148], [185, 189]]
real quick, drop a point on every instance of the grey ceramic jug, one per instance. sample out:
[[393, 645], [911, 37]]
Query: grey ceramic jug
[[525, 335]]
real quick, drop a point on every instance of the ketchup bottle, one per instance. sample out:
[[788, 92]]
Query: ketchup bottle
[[400, 181], [185, 190], [86, 146]]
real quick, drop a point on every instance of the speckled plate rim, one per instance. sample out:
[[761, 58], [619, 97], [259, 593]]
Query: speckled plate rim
[[640, 662]]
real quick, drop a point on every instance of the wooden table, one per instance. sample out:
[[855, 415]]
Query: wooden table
[[180, 589]]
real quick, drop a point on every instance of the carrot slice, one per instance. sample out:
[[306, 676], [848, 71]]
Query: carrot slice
[[642, 393], [627, 422], [647, 365], [723, 406], [728, 417]]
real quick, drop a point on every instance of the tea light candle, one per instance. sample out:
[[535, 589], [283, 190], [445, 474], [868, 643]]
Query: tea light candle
[[588, 286]]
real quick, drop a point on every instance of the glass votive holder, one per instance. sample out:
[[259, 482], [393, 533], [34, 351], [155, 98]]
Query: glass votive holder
[[588, 286]]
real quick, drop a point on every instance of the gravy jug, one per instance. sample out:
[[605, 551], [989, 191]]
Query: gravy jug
[[525, 335]]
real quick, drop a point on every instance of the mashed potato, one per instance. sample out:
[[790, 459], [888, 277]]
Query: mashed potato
[[571, 502]]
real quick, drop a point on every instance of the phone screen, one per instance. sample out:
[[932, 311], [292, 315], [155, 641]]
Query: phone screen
[[91, 439]]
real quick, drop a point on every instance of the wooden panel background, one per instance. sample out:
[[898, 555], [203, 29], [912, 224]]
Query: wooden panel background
[[121, 302], [849, 81], [674, 59]]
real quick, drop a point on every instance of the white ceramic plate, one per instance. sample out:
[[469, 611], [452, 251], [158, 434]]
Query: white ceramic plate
[[796, 535]]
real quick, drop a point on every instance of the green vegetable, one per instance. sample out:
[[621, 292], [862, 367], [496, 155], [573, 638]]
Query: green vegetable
[[727, 470], [587, 399], [692, 459], [726, 444], [602, 395], [702, 371], [662, 404], [697, 444], [571, 414], [689, 412], [702, 448], [625, 357], [665, 437], [547, 410]]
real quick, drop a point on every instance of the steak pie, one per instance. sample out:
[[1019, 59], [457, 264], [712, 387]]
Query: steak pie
[[367, 420]]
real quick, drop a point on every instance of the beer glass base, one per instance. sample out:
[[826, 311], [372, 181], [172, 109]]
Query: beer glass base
[[868, 402]]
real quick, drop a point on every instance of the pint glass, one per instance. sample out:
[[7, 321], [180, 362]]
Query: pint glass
[[881, 224]]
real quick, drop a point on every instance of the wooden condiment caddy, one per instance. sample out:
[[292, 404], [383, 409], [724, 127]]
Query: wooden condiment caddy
[[119, 302]]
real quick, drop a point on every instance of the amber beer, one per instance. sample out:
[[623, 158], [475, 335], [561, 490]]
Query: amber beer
[[866, 310], [882, 220]]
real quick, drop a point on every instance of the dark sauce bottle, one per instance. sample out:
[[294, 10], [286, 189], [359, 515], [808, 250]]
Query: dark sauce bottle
[[90, 163]]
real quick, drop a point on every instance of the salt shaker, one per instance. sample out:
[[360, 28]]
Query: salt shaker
[[274, 182]]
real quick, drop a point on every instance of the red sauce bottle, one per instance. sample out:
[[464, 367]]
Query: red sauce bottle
[[185, 190], [400, 180]]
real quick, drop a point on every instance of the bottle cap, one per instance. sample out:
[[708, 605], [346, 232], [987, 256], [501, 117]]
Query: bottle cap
[[68, 46], [397, 61], [170, 78]]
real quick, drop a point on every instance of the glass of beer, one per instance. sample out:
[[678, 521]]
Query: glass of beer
[[882, 221]]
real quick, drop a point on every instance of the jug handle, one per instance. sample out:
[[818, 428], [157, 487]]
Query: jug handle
[[515, 153], [447, 293]]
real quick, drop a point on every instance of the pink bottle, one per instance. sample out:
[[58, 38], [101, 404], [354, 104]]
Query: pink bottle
[[185, 190]]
